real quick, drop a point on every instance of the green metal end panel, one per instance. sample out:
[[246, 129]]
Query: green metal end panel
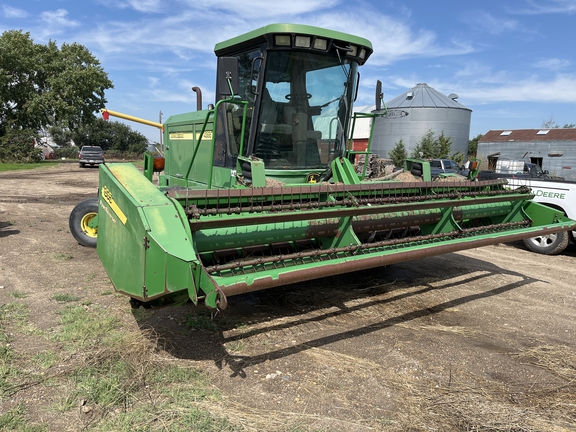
[[144, 241]]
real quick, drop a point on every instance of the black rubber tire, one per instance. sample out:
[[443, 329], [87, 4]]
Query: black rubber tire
[[573, 236], [551, 244], [78, 219]]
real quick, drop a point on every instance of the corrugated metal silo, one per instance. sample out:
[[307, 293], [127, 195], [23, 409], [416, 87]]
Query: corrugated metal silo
[[427, 109]]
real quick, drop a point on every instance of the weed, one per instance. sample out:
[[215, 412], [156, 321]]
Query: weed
[[63, 256], [237, 346], [13, 419], [45, 359], [19, 294], [201, 321], [65, 298], [6, 353], [65, 403]]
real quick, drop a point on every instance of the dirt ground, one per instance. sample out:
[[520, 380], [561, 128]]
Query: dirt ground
[[477, 340]]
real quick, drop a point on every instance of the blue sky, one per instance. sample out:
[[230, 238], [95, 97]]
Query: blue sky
[[512, 62]]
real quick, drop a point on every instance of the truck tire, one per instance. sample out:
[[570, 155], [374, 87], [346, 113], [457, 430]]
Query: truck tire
[[551, 244], [79, 219]]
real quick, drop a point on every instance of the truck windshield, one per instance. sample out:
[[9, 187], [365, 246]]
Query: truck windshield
[[305, 101]]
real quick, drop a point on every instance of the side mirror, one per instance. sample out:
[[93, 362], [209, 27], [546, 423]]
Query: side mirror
[[379, 96], [228, 76]]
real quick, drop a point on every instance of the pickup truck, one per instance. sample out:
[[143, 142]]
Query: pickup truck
[[445, 166], [558, 194], [530, 171], [90, 155]]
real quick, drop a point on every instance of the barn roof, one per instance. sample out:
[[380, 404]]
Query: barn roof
[[526, 135]]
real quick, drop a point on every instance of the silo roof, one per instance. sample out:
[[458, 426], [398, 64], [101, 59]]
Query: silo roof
[[424, 96]]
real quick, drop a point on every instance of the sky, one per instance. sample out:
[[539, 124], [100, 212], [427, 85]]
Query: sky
[[511, 62]]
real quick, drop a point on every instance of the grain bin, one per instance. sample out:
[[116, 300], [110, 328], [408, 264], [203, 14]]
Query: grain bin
[[416, 111]]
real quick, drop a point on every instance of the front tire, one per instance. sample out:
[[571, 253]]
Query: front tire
[[551, 244], [80, 219]]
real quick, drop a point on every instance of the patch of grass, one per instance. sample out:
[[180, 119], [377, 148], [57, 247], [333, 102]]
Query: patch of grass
[[237, 346], [45, 359], [16, 315], [106, 384], [85, 326], [13, 419], [141, 314], [9, 374], [19, 294], [6, 353], [22, 166], [63, 256], [201, 321], [201, 420], [174, 374], [65, 298]]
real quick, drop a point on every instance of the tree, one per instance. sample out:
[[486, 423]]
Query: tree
[[473, 146], [429, 147], [18, 145], [110, 135], [43, 85], [551, 124], [443, 146], [398, 153]]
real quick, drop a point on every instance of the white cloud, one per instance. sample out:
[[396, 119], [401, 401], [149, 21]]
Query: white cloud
[[258, 9], [55, 22], [490, 23], [547, 7], [554, 64], [11, 12], [560, 89]]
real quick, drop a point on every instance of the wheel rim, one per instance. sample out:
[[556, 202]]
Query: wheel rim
[[545, 240], [86, 228]]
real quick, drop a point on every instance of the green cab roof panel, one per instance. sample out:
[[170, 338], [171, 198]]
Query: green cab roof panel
[[263, 34]]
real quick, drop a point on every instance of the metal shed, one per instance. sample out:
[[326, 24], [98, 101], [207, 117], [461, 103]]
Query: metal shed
[[553, 149]]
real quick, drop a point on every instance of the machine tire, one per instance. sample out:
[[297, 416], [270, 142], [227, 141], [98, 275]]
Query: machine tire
[[81, 215], [551, 244]]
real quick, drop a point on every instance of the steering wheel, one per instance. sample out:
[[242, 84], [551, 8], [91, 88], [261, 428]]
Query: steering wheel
[[296, 96]]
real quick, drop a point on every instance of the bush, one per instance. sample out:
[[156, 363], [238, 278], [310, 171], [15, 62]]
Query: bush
[[17, 145]]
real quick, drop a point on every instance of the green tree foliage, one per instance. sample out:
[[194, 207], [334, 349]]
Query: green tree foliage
[[17, 145], [110, 135], [473, 146], [42, 85], [432, 147], [398, 153]]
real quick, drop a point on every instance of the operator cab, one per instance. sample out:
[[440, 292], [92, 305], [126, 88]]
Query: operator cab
[[299, 83]]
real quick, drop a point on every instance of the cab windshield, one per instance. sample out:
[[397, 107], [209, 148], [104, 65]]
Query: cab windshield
[[305, 100]]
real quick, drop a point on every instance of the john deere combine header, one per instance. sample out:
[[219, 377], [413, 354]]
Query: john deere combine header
[[258, 190]]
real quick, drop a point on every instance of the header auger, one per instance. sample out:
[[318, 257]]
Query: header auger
[[258, 190]]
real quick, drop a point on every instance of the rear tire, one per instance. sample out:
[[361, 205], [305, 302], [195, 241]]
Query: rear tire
[[79, 219], [551, 244]]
